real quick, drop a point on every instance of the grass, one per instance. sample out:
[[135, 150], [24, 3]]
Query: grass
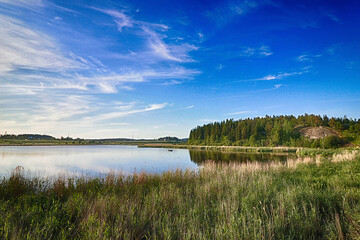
[[244, 149], [304, 198]]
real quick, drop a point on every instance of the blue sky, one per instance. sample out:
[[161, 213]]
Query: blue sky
[[146, 69]]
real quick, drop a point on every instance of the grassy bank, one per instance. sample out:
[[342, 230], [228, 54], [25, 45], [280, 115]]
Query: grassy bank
[[300, 151], [305, 198], [223, 148]]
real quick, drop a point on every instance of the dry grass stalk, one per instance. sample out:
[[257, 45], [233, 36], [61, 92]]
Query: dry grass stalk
[[345, 156]]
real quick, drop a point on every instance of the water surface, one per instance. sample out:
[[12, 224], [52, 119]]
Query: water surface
[[100, 159]]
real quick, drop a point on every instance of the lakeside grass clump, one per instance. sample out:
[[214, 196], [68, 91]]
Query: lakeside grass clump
[[304, 198]]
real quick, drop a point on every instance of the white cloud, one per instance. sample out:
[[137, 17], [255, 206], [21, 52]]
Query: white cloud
[[173, 52], [31, 84], [201, 37], [171, 82], [225, 12], [154, 34], [275, 77], [303, 58], [22, 48], [262, 51], [207, 120], [119, 114], [29, 4], [121, 19], [219, 67], [50, 90], [46, 112], [189, 107], [59, 114], [243, 7], [307, 58], [331, 50], [239, 113], [119, 124]]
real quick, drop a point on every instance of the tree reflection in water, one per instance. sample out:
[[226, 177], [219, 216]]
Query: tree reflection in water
[[200, 156]]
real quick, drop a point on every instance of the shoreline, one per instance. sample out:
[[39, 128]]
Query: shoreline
[[301, 151], [226, 148]]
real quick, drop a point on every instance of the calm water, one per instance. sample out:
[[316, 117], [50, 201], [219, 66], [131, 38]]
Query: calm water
[[98, 159]]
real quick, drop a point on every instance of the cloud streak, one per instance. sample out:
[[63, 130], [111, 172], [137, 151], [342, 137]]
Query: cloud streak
[[155, 36], [239, 113], [47, 113], [189, 107], [119, 114], [307, 58], [230, 9], [22, 48], [274, 76], [262, 51]]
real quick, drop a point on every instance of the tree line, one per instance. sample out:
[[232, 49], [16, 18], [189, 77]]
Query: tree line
[[276, 131], [26, 137]]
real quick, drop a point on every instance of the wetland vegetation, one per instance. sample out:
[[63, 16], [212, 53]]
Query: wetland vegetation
[[302, 198]]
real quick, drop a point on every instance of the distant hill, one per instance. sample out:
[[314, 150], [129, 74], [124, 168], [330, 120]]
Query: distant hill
[[27, 137], [119, 140], [168, 139], [303, 131]]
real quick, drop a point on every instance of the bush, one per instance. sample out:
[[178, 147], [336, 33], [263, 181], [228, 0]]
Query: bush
[[332, 141]]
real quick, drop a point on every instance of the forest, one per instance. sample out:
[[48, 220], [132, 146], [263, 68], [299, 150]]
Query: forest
[[278, 131]]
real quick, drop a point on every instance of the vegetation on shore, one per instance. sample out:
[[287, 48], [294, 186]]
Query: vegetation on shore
[[299, 151], [45, 140], [278, 131], [304, 198]]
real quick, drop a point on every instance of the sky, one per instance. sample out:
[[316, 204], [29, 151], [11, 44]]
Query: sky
[[148, 69]]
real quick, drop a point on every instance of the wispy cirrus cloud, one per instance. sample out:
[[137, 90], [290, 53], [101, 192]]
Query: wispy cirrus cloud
[[262, 51], [119, 114], [31, 61], [207, 120], [226, 11], [155, 35], [23, 48], [28, 4], [51, 87], [227, 52], [307, 57], [37, 62], [171, 82], [274, 76], [55, 113], [189, 107], [240, 112], [275, 87], [31, 84], [45, 112], [121, 19]]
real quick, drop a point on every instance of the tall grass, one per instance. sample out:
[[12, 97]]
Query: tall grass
[[302, 199]]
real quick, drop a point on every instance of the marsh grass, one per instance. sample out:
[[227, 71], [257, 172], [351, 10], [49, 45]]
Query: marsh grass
[[304, 198]]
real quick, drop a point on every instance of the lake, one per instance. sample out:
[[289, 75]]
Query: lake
[[101, 159]]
